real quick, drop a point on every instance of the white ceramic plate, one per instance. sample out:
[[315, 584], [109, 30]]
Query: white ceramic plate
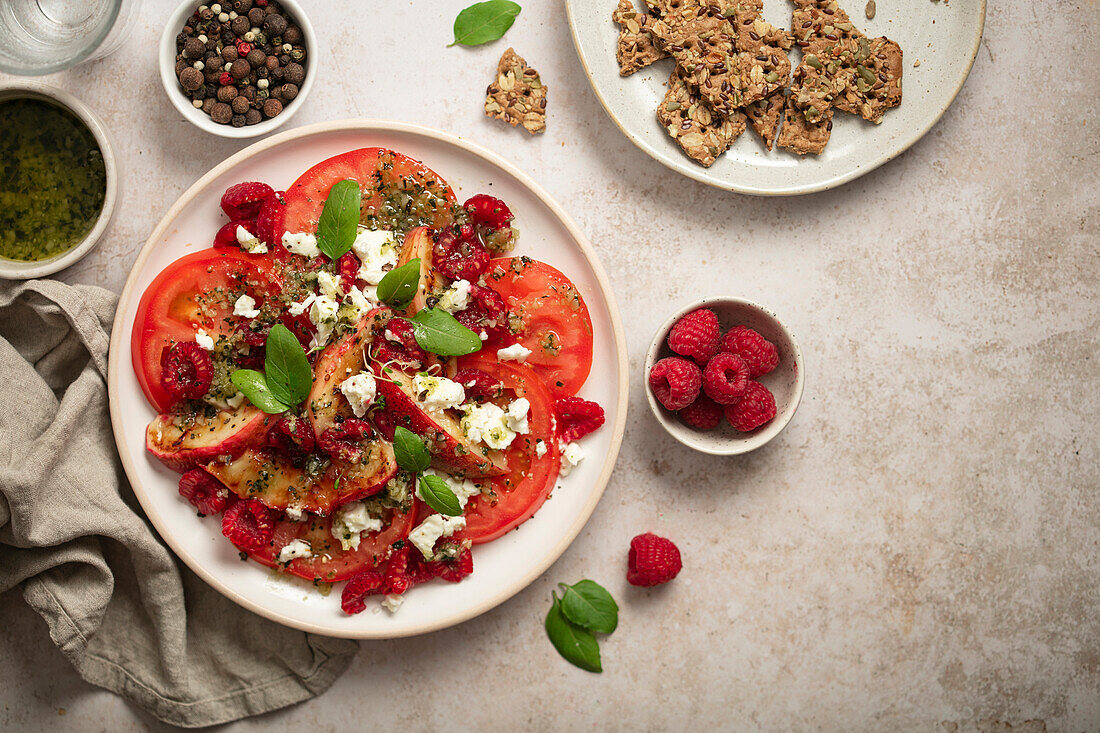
[[943, 36], [501, 568]]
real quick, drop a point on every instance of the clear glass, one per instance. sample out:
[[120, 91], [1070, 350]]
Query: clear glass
[[44, 36]]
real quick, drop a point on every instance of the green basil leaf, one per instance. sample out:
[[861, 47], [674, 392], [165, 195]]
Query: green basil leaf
[[409, 450], [254, 386], [435, 492], [286, 367], [339, 222], [577, 645], [484, 22], [439, 332], [398, 287], [588, 604]]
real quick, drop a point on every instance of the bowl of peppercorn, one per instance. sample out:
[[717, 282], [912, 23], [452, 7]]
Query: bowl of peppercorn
[[239, 68]]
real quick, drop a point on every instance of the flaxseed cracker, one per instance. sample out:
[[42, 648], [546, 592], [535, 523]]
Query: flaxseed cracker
[[636, 49], [751, 29], [701, 132], [764, 117], [801, 136], [518, 95]]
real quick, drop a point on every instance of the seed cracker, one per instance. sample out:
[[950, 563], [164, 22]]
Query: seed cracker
[[636, 49], [764, 117], [701, 132], [801, 136], [518, 95]]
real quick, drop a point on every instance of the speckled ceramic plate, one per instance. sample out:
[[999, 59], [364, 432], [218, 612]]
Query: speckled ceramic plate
[[943, 36], [502, 567]]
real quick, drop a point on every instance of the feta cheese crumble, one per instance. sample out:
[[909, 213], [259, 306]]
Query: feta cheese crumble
[[294, 513], [540, 447], [329, 285], [487, 424], [428, 532], [571, 455], [293, 550], [377, 252], [301, 243], [249, 243], [245, 307], [436, 394], [350, 521], [204, 340], [322, 314], [391, 602], [515, 352], [235, 401], [359, 391], [516, 416], [456, 297]]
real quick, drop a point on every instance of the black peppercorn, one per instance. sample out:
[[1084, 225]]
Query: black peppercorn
[[275, 25], [208, 104], [288, 91], [242, 6], [211, 90], [284, 59], [256, 57], [229, 53], [191, 79], [256, 16], [294, 73], [180, 40], [239, 25], [237, 120], [221, 113], [271, 63], [292, 35], [211, 74], [227, 93], [193, 48], [239, 105], [249, 93], [239, 70], [252, 116], [260, 73], [206, 14], [181, 64], [272, 108]]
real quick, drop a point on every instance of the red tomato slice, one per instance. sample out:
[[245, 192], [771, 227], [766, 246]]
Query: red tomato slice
[[552, 318], [330, 563], [381, 173], [530, 476], [196, 291]]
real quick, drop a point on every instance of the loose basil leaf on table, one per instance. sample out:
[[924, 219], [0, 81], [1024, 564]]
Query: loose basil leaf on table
[[409, 450], [588, 604], [439, 332], [435, 492], [289, 376], [578, 646], [254, 386], [398, 287], [339, 222], [484, 22]]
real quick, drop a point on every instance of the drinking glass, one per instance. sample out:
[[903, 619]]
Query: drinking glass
[[44, 36]]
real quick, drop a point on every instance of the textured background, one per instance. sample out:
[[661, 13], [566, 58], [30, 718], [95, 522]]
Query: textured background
[[919, 550]]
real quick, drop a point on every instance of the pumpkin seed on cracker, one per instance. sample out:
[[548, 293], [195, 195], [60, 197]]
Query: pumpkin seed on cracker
[[518, 95]]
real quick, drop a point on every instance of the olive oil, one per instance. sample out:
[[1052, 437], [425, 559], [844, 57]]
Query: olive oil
[[52, 180]]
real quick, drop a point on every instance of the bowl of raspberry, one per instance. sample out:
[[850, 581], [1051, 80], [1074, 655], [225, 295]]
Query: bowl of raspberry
[[724, 375]]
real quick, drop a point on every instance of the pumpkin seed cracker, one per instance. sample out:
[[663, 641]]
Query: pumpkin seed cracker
[[701, 132], [518, 95], [636, 49], [764, 117]]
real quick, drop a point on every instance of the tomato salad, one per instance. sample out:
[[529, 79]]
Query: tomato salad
[[360, 380]]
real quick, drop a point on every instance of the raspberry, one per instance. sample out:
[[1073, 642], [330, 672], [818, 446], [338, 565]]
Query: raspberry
[[243, 201], [348, 267], [652, 560], [455, 570], [205, 492], [398, 344], [291, 435], [696, 335], [396, 579], [187, 370], [270, 220], [459, 258], [702, 414], [488, 211], [486, 311], [759, 354], [344, 441], [248, 524], [227, 235], [753, 410], [675, 382], [725, 378], [479, 386], [577, 418], [362, 584]]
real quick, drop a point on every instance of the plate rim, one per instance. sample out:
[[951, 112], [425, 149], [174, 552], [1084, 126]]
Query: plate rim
[[118, 358], [695, 173]]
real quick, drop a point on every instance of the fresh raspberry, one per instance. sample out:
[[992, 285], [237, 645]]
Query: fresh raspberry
[[488, 211], [696, 335], [187, 370], [675, 382], [576, 418], [344, 441], [363, 584], [725, 378], [227, 235], [348, 267], [757, 352], [243, 201], [652, 560], [248, 524], [396, 579], [291, 435], [455, 570], [270, 222], [397, 343], [479, 386], [753, 410], [458, 257], [486, 311], [702, 414], [205, 492]]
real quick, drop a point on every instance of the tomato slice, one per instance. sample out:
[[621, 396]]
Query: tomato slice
[[551, 318], [530, 477], [330, 563], [399, 193], [196, 291]]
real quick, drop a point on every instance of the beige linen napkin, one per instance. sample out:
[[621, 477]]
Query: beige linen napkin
[[118, 604]]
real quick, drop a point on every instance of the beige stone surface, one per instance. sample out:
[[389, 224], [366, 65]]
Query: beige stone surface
[[920, 550]]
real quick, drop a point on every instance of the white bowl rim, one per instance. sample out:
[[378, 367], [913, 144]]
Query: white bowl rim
[[16, 270], [117, 361], [753, 440], [167, 62]]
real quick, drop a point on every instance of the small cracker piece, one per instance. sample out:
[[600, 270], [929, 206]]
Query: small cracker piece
[[636, 49], [751, 29], [764, 117], [518, 95], [876, 85], [699, 130], [800, 135]]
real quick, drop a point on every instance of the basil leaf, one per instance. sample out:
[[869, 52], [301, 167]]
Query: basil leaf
[[286, 367], [577, 645], [439, 332], [339, 222], [409, 450], [484, 22], [588, 604], [254, 386], [435, 492], [398, 287]]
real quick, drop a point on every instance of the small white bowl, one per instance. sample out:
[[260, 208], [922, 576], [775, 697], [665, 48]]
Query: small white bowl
[[200, 119], [786, 381], [16, 270]]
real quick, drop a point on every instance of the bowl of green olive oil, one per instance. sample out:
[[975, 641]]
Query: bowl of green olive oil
[[57, 180]]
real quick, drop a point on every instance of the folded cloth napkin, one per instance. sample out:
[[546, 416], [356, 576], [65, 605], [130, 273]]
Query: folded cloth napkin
[[118, 603]]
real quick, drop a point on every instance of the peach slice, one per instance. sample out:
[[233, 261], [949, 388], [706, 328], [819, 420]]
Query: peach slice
[[182, 442], [418, 243], [336, 363]]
